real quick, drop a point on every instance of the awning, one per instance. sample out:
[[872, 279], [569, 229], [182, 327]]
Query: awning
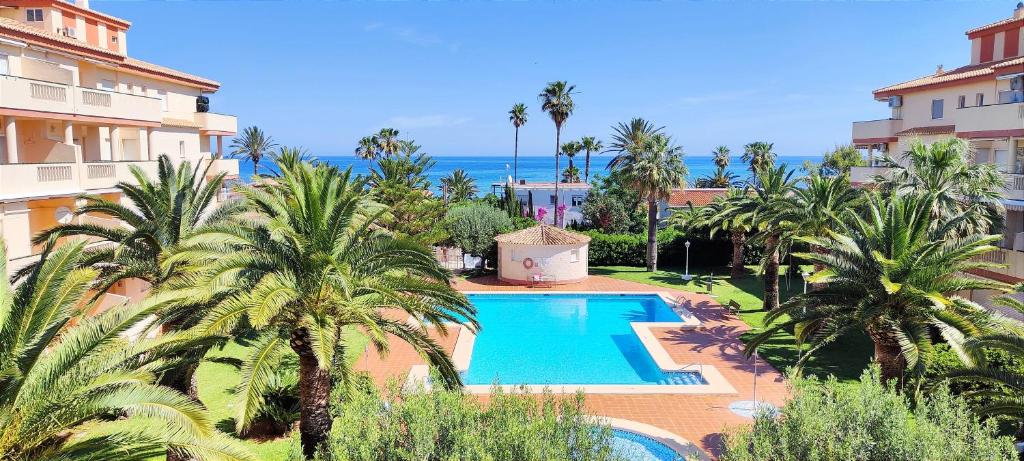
[[1014, 205]]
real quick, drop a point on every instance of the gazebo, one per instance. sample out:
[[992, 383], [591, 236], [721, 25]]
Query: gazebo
[[542, 254]]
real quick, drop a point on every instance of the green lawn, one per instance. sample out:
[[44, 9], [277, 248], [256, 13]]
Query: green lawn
[[217, 380], [846, 358]]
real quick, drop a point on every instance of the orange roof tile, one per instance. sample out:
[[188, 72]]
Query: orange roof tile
[[995, 24], [960, 73], [696, 197], [927, 130], [179, 123], [543, 234]]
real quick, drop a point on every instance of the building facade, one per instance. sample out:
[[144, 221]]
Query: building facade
[[572, 195], [77, 112], [982, 102]]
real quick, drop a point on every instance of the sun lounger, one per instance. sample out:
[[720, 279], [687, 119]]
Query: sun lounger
[[542, 281]]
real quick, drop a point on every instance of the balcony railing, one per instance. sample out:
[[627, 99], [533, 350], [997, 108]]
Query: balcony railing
[[877, 129], [1011, 262], [38, 95], [993, 117], [217, 122], [866, 174], [41, 179]]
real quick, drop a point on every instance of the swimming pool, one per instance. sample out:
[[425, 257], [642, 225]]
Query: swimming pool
[[568, 339], [636, 447]]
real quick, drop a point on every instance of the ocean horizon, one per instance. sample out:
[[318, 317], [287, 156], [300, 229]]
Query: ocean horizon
[[490, 169]]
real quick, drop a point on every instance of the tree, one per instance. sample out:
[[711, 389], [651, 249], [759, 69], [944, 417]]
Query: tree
[[71, 388], [518, 118], [570, 175], [891, 276], [368, 148], [760, 155], [570, 149], [1007, 400], [602, 211], [721, 179], [472, 228], [400, 182], [960, 187], [821, 206], [839, 161], [253, 145], [458, 186], [724, 215], [556, 100], [387, 141], [312, 262], [590, 144], [721, 159], [654, 166]]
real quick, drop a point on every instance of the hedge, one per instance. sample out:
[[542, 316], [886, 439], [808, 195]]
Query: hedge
[[631, 249]]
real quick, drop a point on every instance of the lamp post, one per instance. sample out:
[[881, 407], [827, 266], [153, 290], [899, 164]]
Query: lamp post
[[687, 275], [805, 275]]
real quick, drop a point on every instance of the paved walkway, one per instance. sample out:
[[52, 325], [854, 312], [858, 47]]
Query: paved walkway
[[699, 418]]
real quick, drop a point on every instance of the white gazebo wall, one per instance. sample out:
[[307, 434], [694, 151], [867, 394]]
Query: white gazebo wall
[[564, 263]]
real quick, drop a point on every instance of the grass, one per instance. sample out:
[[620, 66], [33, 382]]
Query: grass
[[216, 382], [845, 359]]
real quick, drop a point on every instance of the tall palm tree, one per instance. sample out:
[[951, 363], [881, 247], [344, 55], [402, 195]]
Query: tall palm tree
[[721, 216], [720, 179], [571, 149], [556, 100], [759, 154], [822, 205], [458, 186], [518, 118], [960, 186], [590, 144], [387, 141], [253, 145], [769, 192], [71, 388], [312, 262], [891, 276], [654, 167], [721, 159], [368, 148]]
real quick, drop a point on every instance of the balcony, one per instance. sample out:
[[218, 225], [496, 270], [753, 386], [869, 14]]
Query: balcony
[[1014, 186], [43, 96], [105, 175], [26, 180], [228, 166], [218, 123], [866, 174], [1011, 260], [994, 117], [876, 130]]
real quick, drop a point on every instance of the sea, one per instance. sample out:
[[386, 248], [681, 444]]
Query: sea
[[489, 169]]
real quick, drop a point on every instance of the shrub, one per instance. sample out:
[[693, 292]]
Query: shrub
[[826, 421], [473, 228], [450, 425], [631, 249]]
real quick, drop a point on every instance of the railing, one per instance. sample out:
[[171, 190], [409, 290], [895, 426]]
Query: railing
[[1014, 186], [992, 117], [1012, 262], [865, 174], [95, 98], [39, 95], [876, 129], [210, 121], [99, 171], [48, 92], [52, 173]]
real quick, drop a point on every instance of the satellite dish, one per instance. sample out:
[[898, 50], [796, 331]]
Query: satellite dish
[[63, 215]]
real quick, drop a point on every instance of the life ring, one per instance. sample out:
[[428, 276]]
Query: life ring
[[528, 263]]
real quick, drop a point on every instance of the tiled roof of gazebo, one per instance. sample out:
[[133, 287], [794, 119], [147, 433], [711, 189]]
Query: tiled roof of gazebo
[[543, 234]]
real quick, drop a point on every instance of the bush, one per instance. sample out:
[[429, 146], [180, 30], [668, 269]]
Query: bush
[[473, 228], [631, 249], [825, 421], [451, 425]]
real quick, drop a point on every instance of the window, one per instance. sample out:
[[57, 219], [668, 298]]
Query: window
[[979, 99], [961, 102], [5, 68], [181, 148], [516, 255], [551, 199], [937, 109], [35, 14], [577, 200], [574, 256], [163, 99]]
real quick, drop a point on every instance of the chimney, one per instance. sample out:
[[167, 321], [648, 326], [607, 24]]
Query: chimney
[[82, 3], [938, 69], [1018, 13]]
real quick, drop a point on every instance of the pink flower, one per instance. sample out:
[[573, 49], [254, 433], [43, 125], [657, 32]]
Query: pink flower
[[541, 212]]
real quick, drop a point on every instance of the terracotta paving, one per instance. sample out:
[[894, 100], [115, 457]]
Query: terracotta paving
[[700, 419]]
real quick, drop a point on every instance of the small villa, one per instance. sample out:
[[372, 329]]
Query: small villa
[[542, 254]]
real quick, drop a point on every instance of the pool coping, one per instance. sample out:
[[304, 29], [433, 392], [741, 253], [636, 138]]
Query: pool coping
[[688, 449], [715, 382]]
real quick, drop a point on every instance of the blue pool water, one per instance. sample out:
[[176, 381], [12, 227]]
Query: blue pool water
[[567, 339], [636, 447]]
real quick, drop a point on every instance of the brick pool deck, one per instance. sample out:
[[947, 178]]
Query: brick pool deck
[[700, 419]]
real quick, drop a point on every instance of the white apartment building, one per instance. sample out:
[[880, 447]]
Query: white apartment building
[[572, 195], [77, 111]]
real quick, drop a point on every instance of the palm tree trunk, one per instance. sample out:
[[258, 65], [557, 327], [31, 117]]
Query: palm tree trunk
[[314, 396], [255, 166], [652, 234], [889, 356], [515, 159], [739, 238], [771, 274], [558, 142], [586, 168]]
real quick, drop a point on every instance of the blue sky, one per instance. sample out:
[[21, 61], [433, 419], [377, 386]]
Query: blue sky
[[323, 74]]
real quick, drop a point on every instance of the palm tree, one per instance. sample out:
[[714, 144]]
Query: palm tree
[[571, 174], [570, 149], [821, 206], [721, 157], [590, 144], [71, 388], [518, 118], [769, 192], [387, 141], [759, 154], [891, 276], [654, 167], [458, 186], [312, 263], [368, 148], [253, 145], [721, 215], [721, 179], [556, 100], [1008, 400], [960, 186]]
